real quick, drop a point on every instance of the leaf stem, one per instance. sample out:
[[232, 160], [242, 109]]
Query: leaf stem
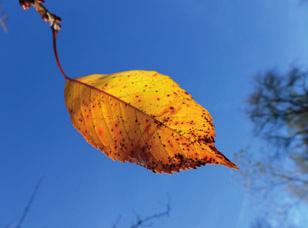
[[55, 50]]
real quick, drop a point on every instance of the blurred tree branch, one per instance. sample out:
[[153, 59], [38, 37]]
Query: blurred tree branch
[[260, 223], [278, 109], [115, 225]]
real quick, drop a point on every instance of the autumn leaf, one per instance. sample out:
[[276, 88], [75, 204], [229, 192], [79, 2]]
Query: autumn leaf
[[143, 117]]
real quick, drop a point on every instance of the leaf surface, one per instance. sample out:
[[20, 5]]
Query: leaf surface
[[143, 117]]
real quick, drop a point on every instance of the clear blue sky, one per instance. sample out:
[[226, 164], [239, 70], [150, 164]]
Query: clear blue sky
[[213, 48]]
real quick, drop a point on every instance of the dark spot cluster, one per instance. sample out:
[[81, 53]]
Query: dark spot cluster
[[175, 164], [158, 124]]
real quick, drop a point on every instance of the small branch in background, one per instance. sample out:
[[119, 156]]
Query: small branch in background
[[3, 20], [47, 16], [147, 221], [29, 204]]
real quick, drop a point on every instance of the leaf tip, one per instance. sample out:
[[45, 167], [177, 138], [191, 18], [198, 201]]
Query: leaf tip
[[223, 160], [231, 165]]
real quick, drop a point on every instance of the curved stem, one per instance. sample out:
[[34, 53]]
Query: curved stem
[[55, 50]]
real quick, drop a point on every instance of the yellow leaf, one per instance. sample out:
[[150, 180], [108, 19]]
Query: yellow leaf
[[143, 117]]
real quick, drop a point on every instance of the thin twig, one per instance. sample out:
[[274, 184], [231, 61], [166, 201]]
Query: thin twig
[[29, 204], [47, 16], [142, 221]]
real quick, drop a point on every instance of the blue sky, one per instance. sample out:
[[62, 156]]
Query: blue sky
[[213, 48]]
